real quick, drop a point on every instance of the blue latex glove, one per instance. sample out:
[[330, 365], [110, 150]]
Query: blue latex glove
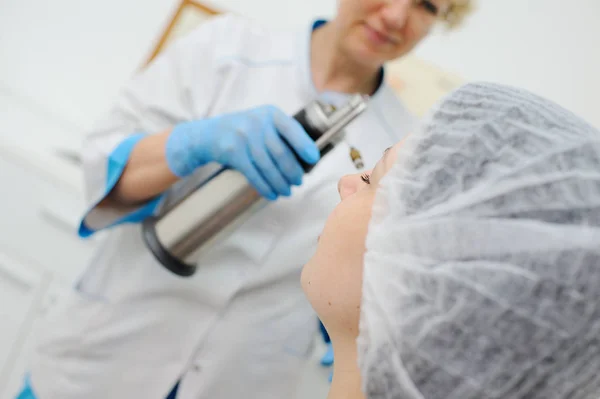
[[252, 142]]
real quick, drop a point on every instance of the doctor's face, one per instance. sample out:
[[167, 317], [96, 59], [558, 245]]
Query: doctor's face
[[332, 279], [377, 31]]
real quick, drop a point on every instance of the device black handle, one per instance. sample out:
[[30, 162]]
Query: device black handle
[[314, 134]]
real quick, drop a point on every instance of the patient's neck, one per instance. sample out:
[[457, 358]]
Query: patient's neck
[[346, 375]]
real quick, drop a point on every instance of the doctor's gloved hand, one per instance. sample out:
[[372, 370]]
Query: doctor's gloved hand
[[252, 142]]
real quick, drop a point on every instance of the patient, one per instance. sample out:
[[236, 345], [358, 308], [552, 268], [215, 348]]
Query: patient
[[481, 274]]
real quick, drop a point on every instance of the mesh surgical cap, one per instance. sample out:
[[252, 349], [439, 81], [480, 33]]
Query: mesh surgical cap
[[482, 270]]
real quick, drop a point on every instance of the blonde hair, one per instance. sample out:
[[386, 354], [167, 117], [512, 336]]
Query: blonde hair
[[458, 11]]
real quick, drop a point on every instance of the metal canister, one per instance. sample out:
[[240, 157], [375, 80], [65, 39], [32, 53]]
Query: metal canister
[[210, 204]]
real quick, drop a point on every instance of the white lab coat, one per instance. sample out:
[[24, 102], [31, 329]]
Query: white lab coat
[[240, 327]]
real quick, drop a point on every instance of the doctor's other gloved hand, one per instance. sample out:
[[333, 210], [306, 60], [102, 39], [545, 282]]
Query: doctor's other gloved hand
[[327, 358], [253, 142]]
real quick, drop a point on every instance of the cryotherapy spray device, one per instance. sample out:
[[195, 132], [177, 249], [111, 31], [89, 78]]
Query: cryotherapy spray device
[[210, 205]]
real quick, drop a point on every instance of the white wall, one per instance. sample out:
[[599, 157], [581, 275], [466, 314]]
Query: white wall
[[548, 46], [70, 57]]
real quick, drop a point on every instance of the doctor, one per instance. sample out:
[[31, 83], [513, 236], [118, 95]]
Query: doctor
[[240, 327]]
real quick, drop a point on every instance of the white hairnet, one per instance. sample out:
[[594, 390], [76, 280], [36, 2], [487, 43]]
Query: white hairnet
[[482, 271]]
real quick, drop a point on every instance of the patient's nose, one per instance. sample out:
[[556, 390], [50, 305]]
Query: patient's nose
[[348, 185]]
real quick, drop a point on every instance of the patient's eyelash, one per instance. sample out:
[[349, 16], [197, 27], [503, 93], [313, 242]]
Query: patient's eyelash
[[366, 178]]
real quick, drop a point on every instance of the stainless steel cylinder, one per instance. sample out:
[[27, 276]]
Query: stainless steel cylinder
[[213, 202]]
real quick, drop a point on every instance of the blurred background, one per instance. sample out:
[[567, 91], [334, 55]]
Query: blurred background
[[63, 61]]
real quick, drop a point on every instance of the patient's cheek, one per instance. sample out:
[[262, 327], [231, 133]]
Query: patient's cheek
[[332, 279], [334, 291]]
